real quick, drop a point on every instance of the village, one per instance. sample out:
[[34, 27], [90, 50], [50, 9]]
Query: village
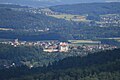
[[52, 46], [109, 20]]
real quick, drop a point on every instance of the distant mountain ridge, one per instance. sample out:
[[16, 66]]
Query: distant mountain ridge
[[45, 3], [89, 8], [12, 6]]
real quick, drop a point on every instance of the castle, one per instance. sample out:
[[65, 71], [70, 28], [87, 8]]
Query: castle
[[63, 47]]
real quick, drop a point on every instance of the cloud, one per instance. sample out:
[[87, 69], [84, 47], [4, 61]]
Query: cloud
[[112, 0], [48, 0]]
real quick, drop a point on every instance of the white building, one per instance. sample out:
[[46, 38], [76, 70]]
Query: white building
[[64, 47]]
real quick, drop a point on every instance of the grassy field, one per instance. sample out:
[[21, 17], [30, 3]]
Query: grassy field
[[70, 17], [5, 29], [116, 39], [83, 41]]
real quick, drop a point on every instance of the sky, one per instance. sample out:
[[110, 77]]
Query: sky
[[44, 3]]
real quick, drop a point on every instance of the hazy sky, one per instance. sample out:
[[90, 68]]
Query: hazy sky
[[51, 2]]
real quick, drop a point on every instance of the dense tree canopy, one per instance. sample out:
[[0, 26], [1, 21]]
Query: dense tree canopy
[[33, 26], [102, 66], [89, 8]]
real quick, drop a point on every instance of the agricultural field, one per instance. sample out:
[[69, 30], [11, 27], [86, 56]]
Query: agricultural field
[[116, 39], [110, 41], [5, 29], [84, 42], [70, 17]]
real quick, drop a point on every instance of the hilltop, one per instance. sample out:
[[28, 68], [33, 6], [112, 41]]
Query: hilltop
[[89, 8]]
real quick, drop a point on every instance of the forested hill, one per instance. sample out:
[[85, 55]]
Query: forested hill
[[89, 8], [27, 26], [23, 20], [92, 59], [33, 26], [98, 66]]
